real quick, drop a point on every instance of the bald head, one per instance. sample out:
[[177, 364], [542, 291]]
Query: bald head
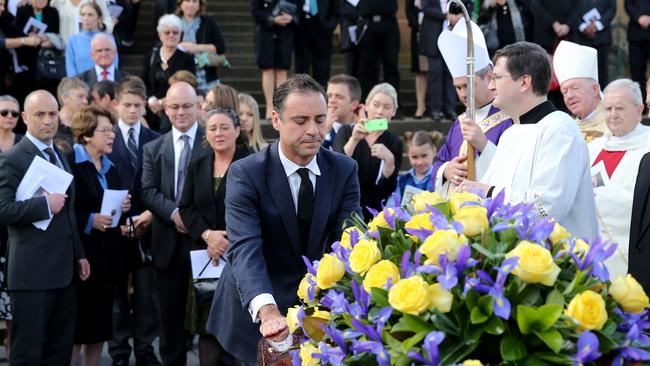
[[41, 115], [181, 105], [103, 50]]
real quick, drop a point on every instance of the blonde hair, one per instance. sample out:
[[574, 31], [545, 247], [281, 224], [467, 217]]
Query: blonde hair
[[383, 88], [257, 141]]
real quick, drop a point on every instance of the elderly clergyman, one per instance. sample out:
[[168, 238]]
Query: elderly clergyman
[[615, 161], [576, 68]]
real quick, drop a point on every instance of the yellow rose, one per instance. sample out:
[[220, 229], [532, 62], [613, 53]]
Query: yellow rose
[[329, 272], [559, 233], [421, 200], [410, 295], [472, 363], [304, 287], [629, 293], [458, 198], [420, 221], [535, 265], [292, 319], [473, 218], [345, 237], [307, 351], [442, 241], [441, 299], [379, 274], [588, 308], [379, 220], [364, 254]]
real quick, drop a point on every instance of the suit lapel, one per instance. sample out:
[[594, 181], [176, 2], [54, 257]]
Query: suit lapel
[[168, 165], [322, 201], [198, 149], [281, 193], [120, 148]]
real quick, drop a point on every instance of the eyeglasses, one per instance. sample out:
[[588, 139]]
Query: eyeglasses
[[6, 112], [107, 131], [171, 32]]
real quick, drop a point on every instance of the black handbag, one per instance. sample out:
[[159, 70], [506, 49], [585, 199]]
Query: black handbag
[[286, 7], [50, 65]]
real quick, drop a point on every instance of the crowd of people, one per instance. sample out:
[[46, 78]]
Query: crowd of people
[[200, 176]]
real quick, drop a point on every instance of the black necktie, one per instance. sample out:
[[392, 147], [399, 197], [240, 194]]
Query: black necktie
[[50, 154], [305, 207], [133, 149]]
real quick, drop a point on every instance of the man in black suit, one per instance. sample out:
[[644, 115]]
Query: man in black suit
[[103, 52], [165, 163], [287, 201], [44, 262], [346, 45], [639, 247], [318, 18], [638, 37], [134, 316]]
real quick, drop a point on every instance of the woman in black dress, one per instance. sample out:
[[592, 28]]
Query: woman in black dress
[[93, 130], [202, 209], [378, 153], [274, 29]]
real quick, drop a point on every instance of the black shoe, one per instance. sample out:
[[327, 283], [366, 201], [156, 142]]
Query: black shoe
[[451, 116], [438, 116]]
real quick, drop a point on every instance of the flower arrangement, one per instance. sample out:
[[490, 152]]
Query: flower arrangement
[[467, 282]]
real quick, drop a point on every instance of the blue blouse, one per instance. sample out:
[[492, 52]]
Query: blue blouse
[[81, 156]]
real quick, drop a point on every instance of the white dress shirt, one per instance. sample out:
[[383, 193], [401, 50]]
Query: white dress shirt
[[124, 130], [111, 73], [291, 170]]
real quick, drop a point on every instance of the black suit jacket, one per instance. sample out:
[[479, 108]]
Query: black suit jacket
[[39, 260], [328, 12], [607, 10], [90, 76], [157, 193], [639, 247], [545, 13], [28, 55], [202, 208], [209, 33], [155, 78], [348, 17], [431, 27], [634, 9]]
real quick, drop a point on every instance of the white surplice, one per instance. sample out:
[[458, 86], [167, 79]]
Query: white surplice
[[546, 163], [614, 198]]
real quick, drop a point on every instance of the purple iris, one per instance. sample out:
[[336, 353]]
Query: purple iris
[[337, 336], [636, 338], [311, 267], [595, 258], [448, 279], [359, 309], [376, 347], [587, 349], [330, 355], [483, 283], [336, 302], [430, 347], [491, 204]]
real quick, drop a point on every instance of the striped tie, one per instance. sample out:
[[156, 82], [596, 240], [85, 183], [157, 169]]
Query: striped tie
[[133, 149], [183, 162]]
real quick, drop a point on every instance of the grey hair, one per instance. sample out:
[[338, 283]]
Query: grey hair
[[169, 21], [104, 36], [626, 84], [9, 98], [383, 88]]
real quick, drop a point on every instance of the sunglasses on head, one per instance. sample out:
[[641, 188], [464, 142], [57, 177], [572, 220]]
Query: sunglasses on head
[[6, 112]]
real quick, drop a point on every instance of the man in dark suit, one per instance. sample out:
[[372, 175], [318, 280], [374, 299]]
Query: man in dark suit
[[44, 262], [318, 18], [135, 317], [165, 163], [287, 201], [346, 45], [103, 52], [639, 247], [638, 37]]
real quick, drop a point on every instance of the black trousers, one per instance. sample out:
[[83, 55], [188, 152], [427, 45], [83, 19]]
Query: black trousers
[[42, 330], [603, 65], [134, 317], [170, 297], [313, 49], [639, 55], [160, 8], [441, 94], [380, 43], [127, 21]]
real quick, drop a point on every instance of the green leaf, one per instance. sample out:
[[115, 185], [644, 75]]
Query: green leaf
[[445, 324], [413, 324], [526, 318], [495, 326], [457, 354], [393, 344], [547, 315], [512, 348], [555, 297], [557, 359], [479, 248], [411, 342], [471, 299], [380, 296], [478, 316], [533, 361], [486, 303], [552, 338]]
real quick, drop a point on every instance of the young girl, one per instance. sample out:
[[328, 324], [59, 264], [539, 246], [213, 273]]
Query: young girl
[[422, 148]]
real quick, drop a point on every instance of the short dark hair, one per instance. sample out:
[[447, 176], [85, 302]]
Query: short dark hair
[[299, 84], [354, 88], [131, 85], [525, 58], [104, 88]]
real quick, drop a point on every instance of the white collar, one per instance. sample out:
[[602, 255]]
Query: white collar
[[125, 126], [110, 69], [637, 138], [589, 115], [176, 134], [482, 113], [290, 167]]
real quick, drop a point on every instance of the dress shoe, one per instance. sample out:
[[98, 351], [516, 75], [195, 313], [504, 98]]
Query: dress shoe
[[451, 116], [438, 116]]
